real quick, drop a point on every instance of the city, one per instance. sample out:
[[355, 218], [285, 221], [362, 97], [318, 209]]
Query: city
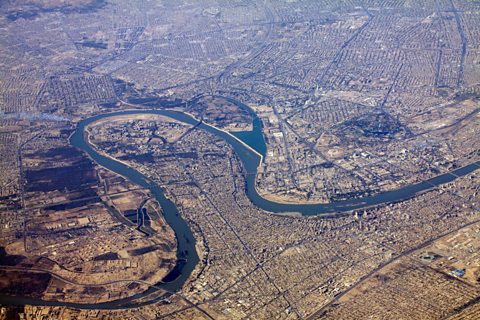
[[241, 159]]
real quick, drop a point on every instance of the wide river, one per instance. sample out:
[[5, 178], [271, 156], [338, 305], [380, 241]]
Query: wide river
[[242, 143]]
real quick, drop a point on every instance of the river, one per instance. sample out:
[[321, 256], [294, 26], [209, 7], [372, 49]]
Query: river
[[242, 143]]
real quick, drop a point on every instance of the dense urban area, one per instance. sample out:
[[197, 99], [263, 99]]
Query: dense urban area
[[207, 159]]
